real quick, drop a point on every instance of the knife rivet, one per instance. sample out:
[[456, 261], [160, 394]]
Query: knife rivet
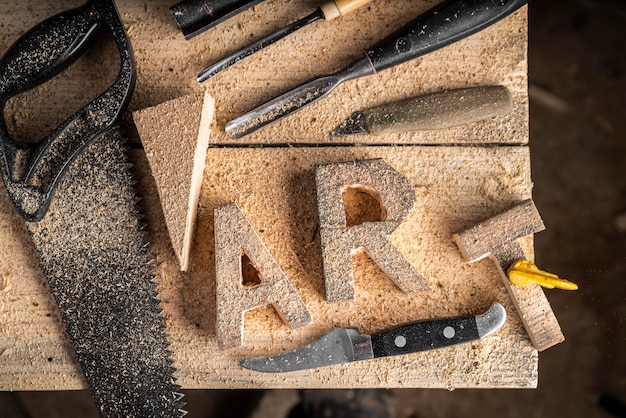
[[449, 332], [400, 341]]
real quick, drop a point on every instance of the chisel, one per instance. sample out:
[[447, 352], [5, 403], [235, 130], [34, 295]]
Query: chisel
[[328, 10], [439, 110], [446, 23]]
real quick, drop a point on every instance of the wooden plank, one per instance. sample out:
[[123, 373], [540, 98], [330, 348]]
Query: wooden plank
[[168, 65], [175, 136], [275, 188]]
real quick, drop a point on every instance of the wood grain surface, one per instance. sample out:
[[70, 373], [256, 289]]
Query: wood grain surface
[[455, 186]]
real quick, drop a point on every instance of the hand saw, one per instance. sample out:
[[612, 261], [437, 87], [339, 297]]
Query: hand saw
[[75, 191]]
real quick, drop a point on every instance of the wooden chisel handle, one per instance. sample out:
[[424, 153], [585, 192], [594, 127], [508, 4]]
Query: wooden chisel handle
[[334, 9], [439, 110]]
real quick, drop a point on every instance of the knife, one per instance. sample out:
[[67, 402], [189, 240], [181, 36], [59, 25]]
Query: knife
[[439, 110], [345, 345], [443, 25]]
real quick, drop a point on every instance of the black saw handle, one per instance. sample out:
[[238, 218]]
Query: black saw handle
[[31, 174], [440, 26]]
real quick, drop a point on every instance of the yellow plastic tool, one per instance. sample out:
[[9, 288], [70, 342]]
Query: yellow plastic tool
[[524, 272]]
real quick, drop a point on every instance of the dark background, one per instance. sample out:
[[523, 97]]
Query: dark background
[[578, 148]]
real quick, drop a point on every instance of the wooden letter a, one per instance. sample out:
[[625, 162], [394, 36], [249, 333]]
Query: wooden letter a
[[235, 239], [391, 195]]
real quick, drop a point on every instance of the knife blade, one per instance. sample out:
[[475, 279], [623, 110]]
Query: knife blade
[[75, 192], [443, 25], [433, 111], [346, 345]]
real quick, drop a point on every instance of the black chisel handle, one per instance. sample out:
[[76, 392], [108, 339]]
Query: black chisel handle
[[443, 25], [426, 335], [195, 16]]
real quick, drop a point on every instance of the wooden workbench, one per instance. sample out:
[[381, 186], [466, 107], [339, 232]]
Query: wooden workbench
[[455, 187]]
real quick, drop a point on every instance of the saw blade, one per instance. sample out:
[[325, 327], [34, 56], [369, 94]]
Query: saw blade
[[98, 266]]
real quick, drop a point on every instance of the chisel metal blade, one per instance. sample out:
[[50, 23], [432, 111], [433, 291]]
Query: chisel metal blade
[[345, 345], [354, 125], [283, 105], [328, 10], [262, 43]]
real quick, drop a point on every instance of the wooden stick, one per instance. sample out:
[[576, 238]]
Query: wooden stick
[[495, 238], [175, 135]]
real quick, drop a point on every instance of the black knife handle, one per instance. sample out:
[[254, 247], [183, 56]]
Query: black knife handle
[[438, 27], [424, 335]]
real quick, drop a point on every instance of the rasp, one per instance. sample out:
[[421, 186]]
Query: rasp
[[432, 111], [446, 23], [75, 191], [345, 345]]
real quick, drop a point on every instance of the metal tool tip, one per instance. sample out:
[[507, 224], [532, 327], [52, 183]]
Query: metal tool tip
[[355, 124], [282, 106], [261, 364], [491, 321]]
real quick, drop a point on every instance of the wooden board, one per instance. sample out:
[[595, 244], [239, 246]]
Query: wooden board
[[168, 65], [175, 136], [455, 186], [284, 215]]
